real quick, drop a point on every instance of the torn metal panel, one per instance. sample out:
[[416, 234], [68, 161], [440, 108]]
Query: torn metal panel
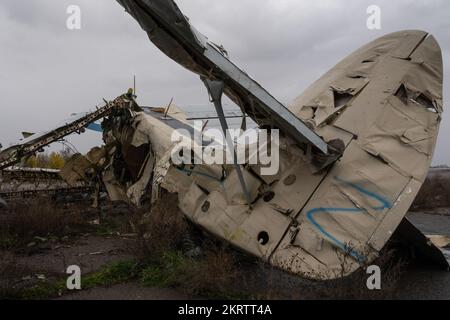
[[398, 140], [388, 139], [77, 169]]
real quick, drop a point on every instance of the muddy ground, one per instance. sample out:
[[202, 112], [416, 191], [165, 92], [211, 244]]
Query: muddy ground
[[47, 261]]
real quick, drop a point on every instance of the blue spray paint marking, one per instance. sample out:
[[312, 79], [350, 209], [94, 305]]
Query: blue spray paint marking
[[384, 204]]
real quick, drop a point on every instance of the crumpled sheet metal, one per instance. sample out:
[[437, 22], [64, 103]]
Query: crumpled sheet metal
[[147, 131], [324, 225], [140, 131], [365, 196], [75, 169], [343, 217]]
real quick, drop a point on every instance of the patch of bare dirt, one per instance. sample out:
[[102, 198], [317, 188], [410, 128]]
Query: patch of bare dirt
[[49, 261], [127, 291]]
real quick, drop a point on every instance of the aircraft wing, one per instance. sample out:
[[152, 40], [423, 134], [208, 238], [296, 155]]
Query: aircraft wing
[[172, 33]]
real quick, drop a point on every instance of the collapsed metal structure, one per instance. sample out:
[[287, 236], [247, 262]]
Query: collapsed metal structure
[[36, 142], [21, 183]]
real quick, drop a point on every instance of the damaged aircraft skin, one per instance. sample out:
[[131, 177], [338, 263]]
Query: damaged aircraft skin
[[355, 149]]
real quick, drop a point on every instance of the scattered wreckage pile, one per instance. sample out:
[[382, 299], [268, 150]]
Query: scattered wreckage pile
[[18, 182], [354, 150]]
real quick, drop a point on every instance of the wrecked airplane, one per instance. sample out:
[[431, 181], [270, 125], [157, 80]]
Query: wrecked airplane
[[354, 150]]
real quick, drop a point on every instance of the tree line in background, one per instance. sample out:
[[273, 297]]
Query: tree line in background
[[53, 160]]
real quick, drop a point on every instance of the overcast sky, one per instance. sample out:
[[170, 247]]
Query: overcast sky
[[48, 72]]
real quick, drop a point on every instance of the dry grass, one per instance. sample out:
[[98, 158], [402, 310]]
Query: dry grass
[[220, 272], [164, 251], [274, 284], [37, 218], [215, 275], [354, 287], [160, 229], [166, 242]]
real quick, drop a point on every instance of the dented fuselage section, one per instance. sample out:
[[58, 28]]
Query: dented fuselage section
[[376, 115]]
